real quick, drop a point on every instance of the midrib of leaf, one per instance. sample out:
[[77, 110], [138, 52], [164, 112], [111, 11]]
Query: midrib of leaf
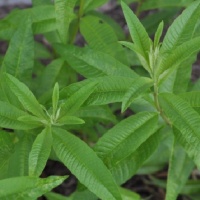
[[74, 155], [182, 118]]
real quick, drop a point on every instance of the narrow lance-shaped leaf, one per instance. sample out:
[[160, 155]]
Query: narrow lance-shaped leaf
[[158, 34], [40, 152], [9, 117], [25, 96], [55, 98], [100, 36], [74, 102], [64, 15], [110, 89], [127, 167], [19, 58], [138, 33], [27, 188], [91, 63], [180, 167], [186, 120], [84, 164], [18, 162], [49, 76], [180, 54], [193, 98], [182, 28], [69, 120], [6, 149], [124, 138], [139, 86]]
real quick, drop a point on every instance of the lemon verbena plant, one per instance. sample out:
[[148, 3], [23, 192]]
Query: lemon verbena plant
[[67, 111]]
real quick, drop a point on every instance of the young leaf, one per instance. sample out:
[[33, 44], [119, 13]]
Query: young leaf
[[56, 196], [84, 164], [129, 195], [74, 102], [158, 34], [139, 86], [186, 120], [179, 54], [138, 33], [25, 96], [92, 64], [126, 137], [55, 98], [68, 120], [64, 15], [182, 28], [28, 188], [9, 117], [19, 58], [40, 152], [180, 167]]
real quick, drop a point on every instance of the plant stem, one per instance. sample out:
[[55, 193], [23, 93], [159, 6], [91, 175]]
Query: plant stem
[[80, 14], [159, 109]]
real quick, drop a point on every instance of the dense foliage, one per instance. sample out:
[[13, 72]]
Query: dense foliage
[[68, 111]]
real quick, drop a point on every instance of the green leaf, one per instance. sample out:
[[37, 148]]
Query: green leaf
[[68, 120], [101, 37], [153, 4], [49, 76], [19, 58], [186, 120], [25, 96], [180, 167], [82, 161], [74, 102], [6, 149], [91, 63], [129, 195], [193, 98], [158, 34], [180, 54], [138, 33], [9, 117], [27, 188], [127, 167], [139, 86], [182, 28], [55, 98], [64, 15], [91, 5], [110, 89], [40, 152], [18, 162], [97, 112], [40, 2], [126, 137], [56, 196]]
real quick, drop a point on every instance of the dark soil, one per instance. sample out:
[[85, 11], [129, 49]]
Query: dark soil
[[139, 183]]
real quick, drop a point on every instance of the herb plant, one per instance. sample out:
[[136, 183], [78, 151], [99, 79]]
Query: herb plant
[[67, 111]]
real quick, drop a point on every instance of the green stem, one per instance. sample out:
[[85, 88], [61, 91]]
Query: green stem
[[159, 109], [80, 14]]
